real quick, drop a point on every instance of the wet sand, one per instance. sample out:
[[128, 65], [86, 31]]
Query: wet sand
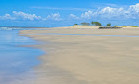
[[87, 59]]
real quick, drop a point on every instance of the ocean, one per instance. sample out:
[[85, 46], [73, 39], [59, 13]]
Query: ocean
[[16, 62]]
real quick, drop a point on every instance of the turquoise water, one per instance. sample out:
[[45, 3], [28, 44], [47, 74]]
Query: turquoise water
[[14, 59]]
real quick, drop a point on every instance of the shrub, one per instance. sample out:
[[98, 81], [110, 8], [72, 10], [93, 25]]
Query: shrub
[[134, 26], [109, 24], [75, 24], [96, 23]]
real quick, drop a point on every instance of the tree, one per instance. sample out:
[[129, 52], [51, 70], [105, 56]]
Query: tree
[[85, 24], [75, 24], [109, 24], [96, 23]]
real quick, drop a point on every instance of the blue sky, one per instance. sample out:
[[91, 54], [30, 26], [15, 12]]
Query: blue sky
[[68, 12]]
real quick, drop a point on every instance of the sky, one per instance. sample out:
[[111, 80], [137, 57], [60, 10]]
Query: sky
[[50, 13]]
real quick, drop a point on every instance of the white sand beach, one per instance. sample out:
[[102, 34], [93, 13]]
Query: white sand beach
[[86, 55]]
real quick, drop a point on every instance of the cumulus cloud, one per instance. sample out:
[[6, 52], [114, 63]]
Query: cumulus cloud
[[26, 16], [87, 15], [109, 12], [73, 16], [132, 12], [55, 16], [106, 12], [134, 8], [7, 17]]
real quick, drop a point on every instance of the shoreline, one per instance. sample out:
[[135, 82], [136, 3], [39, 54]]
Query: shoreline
[[15, 59], [77, 26], [87, 59]]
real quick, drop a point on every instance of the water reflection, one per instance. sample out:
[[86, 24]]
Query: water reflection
[[16, 61]]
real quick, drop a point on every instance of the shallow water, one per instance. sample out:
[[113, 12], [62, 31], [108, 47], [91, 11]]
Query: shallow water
[[16, 62]]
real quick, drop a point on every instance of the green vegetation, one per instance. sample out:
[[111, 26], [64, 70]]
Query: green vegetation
[[124, 26], [109, 24], [134, 26], [88, 24], [75, 24], [96, 23], [130, 26], [85, 24], [99, 24]]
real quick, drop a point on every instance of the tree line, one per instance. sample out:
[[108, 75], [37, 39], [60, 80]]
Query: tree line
[[93, 23]]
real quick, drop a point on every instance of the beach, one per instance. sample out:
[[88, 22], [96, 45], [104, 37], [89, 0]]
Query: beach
[[86, 55]]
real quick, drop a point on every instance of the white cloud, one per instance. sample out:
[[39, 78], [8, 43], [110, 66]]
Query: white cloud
[[134, 8], [26, 16], [55, 16], [73, 16], [7, 17], [87, 15], [132, 12], [109, 12]]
